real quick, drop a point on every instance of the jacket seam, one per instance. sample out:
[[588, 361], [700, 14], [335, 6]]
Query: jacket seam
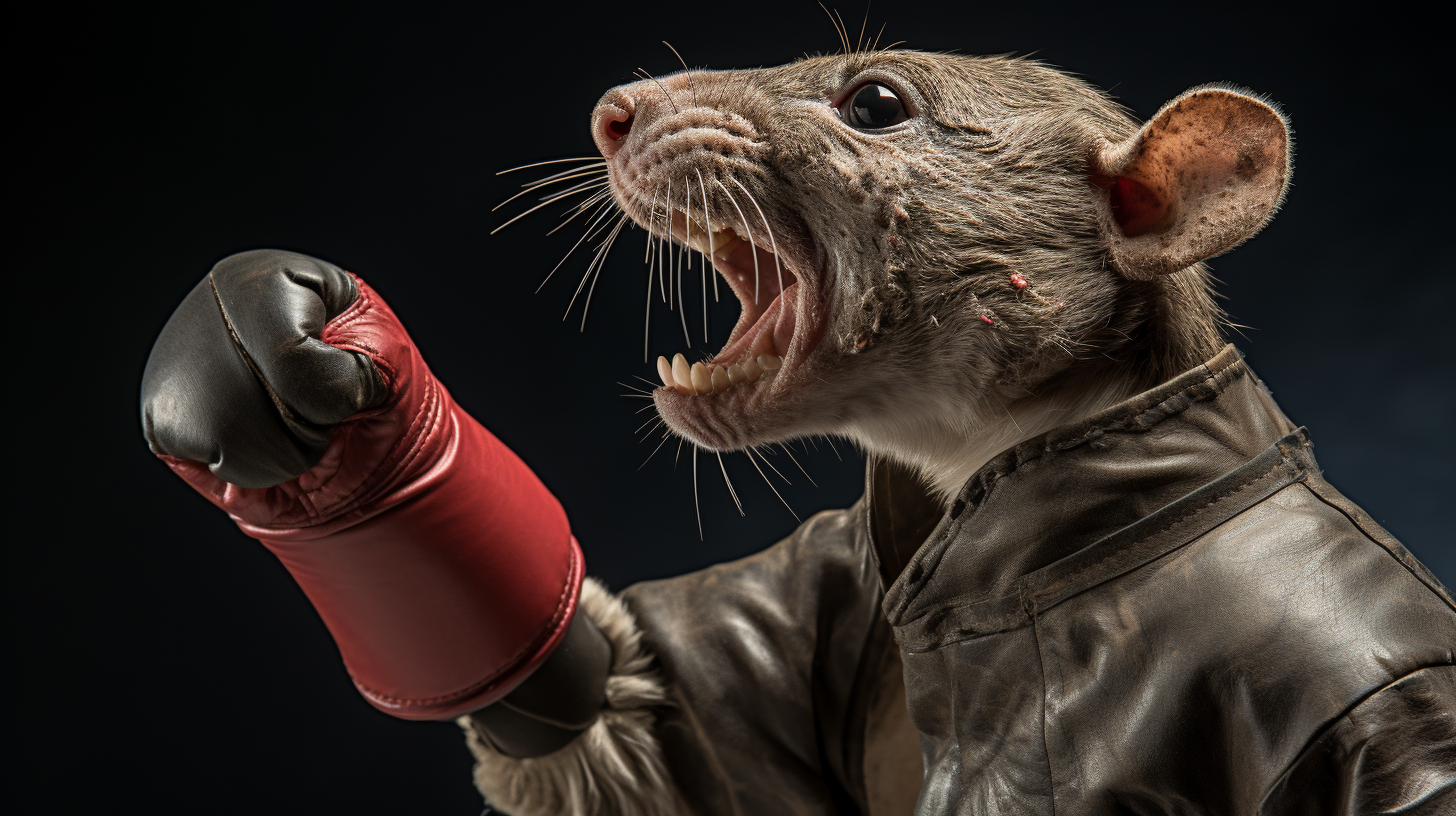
[[1031, 614], [1231, 492], [1377, 542], [1334, 721]]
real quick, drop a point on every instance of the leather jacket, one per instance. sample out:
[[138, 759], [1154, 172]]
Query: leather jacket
[[1161, 609]]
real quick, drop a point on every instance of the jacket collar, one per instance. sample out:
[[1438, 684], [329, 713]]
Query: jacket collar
[[1064, 495]]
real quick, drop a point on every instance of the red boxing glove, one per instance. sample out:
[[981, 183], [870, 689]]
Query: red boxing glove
[[442, 566]]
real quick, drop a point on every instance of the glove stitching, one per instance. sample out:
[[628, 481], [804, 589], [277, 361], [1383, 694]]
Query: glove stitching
[[283, 409]]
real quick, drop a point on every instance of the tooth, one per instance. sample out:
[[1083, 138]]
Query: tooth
[[681, 374], [702, 380], [698, 242], [762, 345], [770, 362], [736, 374], [664, 370], [720, 378], [753, 370]]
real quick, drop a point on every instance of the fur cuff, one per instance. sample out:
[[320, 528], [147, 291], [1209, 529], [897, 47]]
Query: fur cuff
[[615, 768]]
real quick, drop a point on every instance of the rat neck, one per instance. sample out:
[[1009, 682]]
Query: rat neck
[[947, 446]]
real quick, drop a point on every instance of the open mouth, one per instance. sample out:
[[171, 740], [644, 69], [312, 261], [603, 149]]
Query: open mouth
[[767, 336]]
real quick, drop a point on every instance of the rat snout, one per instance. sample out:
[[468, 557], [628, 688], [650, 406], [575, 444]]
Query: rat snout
[[612, 121]]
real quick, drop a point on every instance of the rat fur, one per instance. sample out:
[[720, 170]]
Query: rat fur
[[1017, 254]]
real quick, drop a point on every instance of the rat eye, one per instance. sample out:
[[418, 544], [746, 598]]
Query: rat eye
[[873, 107]]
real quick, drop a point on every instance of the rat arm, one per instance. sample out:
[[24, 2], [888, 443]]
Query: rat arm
[[286, 392]]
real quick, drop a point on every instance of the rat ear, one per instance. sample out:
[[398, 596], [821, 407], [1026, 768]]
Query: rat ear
[[1204, 175]]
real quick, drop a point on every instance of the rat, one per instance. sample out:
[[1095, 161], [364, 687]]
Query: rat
[[937, 256], [1095, 568]]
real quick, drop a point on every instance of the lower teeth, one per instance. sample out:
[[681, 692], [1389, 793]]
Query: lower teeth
[[706, 378]]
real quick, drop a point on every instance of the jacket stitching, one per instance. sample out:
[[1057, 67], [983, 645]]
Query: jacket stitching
[[1213, 384], [1184, 516], [1029, 596]]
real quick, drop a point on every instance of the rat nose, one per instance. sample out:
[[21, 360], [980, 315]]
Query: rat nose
[[611, 122]]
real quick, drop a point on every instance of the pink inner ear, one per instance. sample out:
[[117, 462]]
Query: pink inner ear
[[1136, 208]]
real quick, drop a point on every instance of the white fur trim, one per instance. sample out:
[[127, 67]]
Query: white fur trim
[[615, 768]]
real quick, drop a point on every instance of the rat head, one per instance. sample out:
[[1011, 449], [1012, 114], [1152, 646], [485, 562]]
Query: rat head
[[926, 245]]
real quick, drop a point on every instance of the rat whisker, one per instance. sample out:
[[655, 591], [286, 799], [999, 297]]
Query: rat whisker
[[647, 259], [551, 161], [696, 506], [659, 255], [595, 199], [677, 259], [533, 209], [729, 482], [749, 453], [558, 194], [598, 167], [597, 181], [741, 217], [645, 424], [649, 432], [660, 88], [796, 464], [603, 210], [691, 84], [838, 29], [590, 184], [858, 45], [534, 186], [772, 243], [647, 314], [665, 436], [709, 219], [688, 242], [667, 233], [845, 29], [600, 264], [771, 467], [651, 218]]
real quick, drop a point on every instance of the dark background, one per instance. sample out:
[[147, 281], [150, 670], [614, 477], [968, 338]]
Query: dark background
[[159, 659]]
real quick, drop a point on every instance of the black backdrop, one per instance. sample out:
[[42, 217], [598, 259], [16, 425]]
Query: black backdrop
[[161, 660]]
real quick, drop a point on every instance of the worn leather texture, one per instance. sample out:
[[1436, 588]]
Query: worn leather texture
[[1162, 609], [240, 377], [444, 569]]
